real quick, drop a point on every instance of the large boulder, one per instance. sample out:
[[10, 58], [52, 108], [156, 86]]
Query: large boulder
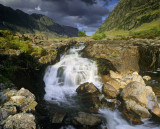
[[85, 119], [137, 108], [87, 88], [26, 93], [20, 121], [23, 99], [89, 95], [111, 86], [109, 91], [140, 93], [139, 99]]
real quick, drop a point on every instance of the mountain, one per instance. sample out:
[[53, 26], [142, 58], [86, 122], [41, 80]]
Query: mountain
[[133, 16], [18, 21]]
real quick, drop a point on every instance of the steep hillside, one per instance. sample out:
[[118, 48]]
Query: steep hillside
[[133, 16], [18, 21]]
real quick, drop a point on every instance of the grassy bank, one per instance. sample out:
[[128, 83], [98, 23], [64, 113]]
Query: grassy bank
[[146, 30], [9, 40], [17, 54]]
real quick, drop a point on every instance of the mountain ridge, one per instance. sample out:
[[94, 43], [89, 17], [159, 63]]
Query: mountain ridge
[[129, 15], [19, 21]]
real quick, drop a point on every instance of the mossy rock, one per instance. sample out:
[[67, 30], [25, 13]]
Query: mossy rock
[[104, 66]]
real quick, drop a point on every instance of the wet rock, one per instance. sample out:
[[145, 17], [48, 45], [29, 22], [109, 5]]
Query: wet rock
[[88, 95], [87, 88], [20, 121], [156, 111], [115, 75], [93, 110], [137, 108], [58, 118], [147, 78], [109, 91], [90, 101], [132, 117], [139, 99], [112, 104], [140, 93], [85, 119]]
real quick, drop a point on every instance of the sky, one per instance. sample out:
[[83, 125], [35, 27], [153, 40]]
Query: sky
[[86, 15]]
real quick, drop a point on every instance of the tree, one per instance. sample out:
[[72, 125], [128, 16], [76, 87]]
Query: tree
[[81, 33]]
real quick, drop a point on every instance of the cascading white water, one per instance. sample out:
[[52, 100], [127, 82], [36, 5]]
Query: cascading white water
[[62, 79], [116, 121]]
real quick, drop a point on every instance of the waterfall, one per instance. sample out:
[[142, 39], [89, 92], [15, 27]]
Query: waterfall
[[63, 78]]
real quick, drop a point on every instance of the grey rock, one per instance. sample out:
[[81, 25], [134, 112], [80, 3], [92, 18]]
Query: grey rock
[[86, 119], [20, 121]]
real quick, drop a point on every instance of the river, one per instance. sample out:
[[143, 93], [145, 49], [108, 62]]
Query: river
[[63, 78]]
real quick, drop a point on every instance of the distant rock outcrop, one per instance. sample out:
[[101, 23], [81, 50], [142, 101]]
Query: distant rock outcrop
[[18, 21]]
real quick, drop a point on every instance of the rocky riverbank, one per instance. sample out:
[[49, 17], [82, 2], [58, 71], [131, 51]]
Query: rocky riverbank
[[128, 93], [17, 110]]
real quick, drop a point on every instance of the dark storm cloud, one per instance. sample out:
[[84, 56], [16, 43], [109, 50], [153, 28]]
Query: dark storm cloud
[[89, 1], [67, 12], [83, 13]]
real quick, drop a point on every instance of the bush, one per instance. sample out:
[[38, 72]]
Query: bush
[[81, 33], [99, 36]]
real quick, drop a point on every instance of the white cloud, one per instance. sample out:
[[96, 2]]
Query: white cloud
[[38, 8]]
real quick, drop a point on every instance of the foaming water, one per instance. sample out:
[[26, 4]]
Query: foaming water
[[114, 120], [62, 79]]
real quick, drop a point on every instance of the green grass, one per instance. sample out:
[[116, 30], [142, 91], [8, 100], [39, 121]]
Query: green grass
[[24, 44], [146, 30], [117, 32], [99, 36], [115, 55]]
